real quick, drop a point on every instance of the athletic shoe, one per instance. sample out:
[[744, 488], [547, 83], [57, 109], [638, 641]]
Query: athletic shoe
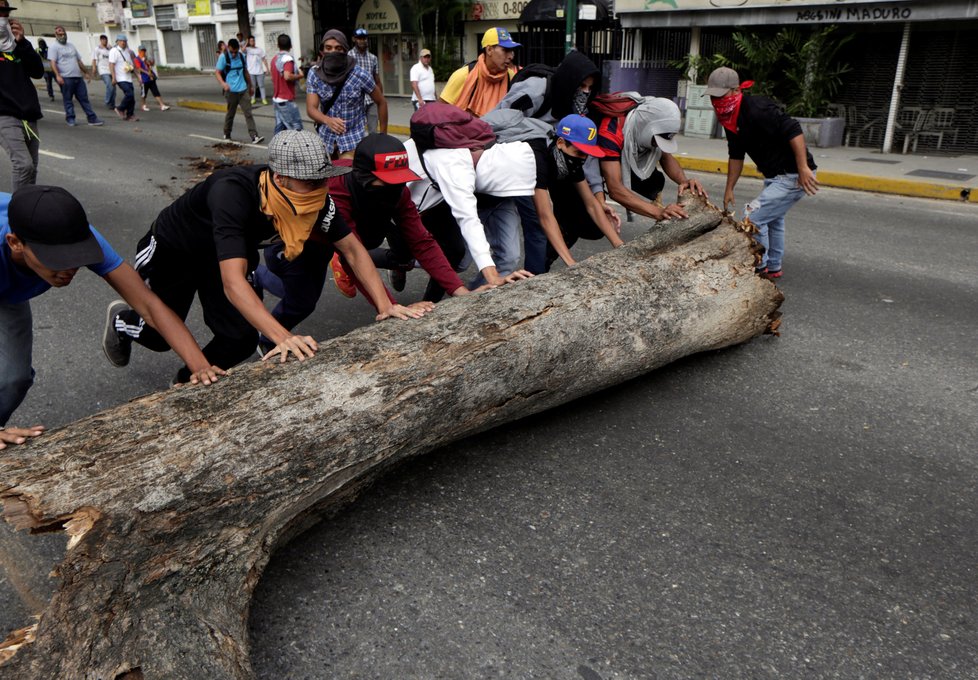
[[342, 280], [131, 119], [264, 102], [398, 279], [117, 346], [252, 101], [164, 108], [257, 139], [227, 138], [771, 276], [145, 108], [96, 123], [70, 123]]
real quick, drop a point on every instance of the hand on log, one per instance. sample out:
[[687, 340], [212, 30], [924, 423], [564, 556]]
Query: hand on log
[[173, 503]]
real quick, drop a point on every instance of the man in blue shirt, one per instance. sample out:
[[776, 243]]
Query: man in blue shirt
[[232, 73], [45, 238]]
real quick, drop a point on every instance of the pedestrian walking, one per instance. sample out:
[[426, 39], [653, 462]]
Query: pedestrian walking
[[121, 58], [369, 63], [257, 67], [20, 109], [146, 67], [42, 49], [759, 126], [101, 65], [232, 73], [422, 78], [335, 91], [284, 77], [71, 74]]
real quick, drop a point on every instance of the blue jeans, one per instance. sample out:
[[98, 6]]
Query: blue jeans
[[16, 341], [534, 238], [286, 117], [109, 90], [297, 283], [75, 88], [767, 211], [502, 223], [128, 103]]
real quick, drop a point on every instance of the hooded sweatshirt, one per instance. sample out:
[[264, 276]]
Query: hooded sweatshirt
[[18, 96], [550, 98]]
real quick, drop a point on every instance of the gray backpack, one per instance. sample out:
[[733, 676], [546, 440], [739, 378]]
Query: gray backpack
[[511, 125]]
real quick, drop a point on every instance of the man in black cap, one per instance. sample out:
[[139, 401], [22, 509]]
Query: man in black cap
[[19, 107], [44, 239], [207, 241]]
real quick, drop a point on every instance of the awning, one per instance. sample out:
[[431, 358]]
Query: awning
[[545, 11]]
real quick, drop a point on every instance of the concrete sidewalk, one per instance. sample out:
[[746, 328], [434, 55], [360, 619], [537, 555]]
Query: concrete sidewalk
[[947, 177]]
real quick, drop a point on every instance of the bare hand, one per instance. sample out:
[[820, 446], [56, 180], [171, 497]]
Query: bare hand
[[336, 125], [207, 375], [18, 435], [16, 29], [695, 186], [807, 181], [728, 201], [400, 312], [225, 87], [518, 275], [673, 210], [301, 346], [423, 305], [613, 217], [61, 81]]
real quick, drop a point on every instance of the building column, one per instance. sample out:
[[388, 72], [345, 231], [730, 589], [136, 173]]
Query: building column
[[901, 69]]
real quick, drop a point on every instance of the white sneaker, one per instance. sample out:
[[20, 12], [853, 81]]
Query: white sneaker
[[145, 108], [164, 108]]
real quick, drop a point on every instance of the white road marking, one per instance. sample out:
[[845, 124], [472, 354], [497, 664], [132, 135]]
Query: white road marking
[[219, 140], [55, 155]]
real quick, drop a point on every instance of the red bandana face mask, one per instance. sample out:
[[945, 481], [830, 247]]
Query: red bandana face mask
[[728, 108]]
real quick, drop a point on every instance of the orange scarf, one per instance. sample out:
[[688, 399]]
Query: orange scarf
[[293, 214], [482, 90]]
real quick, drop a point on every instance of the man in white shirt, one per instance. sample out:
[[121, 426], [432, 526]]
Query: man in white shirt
[[257, 66], [422, 80], [101, 65], [121, 60]]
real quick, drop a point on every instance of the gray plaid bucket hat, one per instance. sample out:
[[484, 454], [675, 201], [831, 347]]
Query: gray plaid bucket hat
[[300, 154]]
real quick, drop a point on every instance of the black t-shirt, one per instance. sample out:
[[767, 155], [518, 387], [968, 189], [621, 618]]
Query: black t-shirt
[[221, 218], [764, 131], [547, 176]]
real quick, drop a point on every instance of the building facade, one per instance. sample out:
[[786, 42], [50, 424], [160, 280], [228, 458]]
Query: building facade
[[912, 61]]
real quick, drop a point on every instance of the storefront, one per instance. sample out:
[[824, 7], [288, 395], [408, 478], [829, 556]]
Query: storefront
[[394, 41], [912, 61]]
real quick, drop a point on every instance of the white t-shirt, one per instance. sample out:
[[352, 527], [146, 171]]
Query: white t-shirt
[[503, 170], [255, 56], [121, 60], [101, 55], [425, 77]]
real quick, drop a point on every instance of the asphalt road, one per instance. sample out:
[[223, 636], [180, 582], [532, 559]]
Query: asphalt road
[[801, 506]]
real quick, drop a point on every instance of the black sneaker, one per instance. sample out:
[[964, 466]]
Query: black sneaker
[[117, 346], [398, 279], [257, 139]]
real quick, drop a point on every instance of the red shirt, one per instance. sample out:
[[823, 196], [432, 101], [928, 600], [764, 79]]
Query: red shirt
[[420, 242], [611, 136], [283, 89]]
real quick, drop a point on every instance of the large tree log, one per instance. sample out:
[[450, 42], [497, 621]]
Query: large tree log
[[174, 502]]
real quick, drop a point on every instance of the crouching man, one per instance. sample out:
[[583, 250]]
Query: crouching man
[[45, 238]]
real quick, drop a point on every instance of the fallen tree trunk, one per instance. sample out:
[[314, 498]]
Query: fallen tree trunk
[[174, 502]]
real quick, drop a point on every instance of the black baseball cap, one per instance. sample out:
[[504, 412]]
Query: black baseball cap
[[53, 223], [4, 7], [385, 158]]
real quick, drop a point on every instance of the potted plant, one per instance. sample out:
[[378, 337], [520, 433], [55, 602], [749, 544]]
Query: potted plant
[[801, 69]]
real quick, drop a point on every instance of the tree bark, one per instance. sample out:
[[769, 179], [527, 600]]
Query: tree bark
[[173, 503]]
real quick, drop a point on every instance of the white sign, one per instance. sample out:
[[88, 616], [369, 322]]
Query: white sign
[[379, 16], [493, 10]]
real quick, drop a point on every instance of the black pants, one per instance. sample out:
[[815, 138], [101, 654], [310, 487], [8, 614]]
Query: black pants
[[175, 277]]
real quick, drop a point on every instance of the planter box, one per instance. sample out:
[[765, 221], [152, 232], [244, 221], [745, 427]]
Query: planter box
[[700, 123], [696, 98], [823, 132]]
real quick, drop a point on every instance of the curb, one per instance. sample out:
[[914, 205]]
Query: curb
[[846, 180], [839, 180]]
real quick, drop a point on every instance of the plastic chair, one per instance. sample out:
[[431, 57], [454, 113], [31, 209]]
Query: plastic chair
[[938, 122]]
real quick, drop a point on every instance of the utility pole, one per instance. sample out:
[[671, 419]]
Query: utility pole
[[570, 16]]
